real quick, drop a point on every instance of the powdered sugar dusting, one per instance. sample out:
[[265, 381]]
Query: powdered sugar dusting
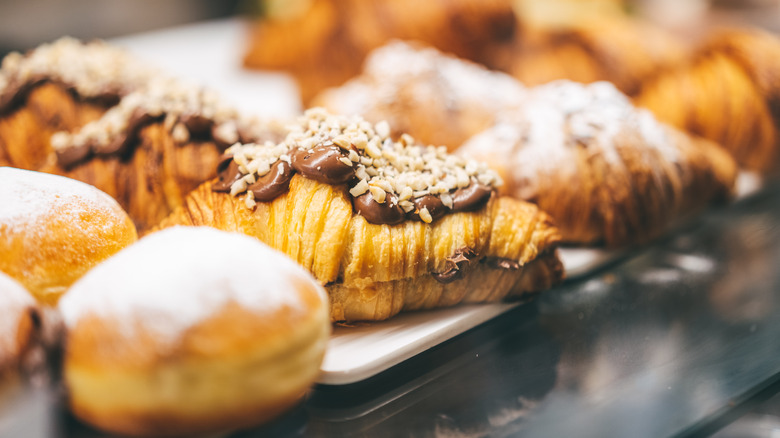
[[433, 75], [399, 61], [564, 115], [173, 279], [13, 300], [29, 199]]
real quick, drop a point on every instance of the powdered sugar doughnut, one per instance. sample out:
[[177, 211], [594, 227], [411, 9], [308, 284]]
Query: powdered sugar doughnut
[[192, 330], [53, 229]]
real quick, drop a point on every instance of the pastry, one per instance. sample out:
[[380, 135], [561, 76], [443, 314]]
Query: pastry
[[192, 331], [59, 87], [155, 146], [729, 92], [53, 230], [92, 113], [436, 98], [18, 319], [606, 171], [323, 44], [620, 50], [385, 225]]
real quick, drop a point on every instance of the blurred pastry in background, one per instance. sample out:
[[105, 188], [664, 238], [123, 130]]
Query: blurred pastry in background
[[606, 171], [59, 87], [192, 331], [322, 43], [54, 229], [387, 226], [729, 92], [612, 48], [93, 113], [155, 146], [436, 98], [18, 321]]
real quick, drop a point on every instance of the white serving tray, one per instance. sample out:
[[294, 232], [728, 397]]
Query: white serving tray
[[210, 53], [363, 350]]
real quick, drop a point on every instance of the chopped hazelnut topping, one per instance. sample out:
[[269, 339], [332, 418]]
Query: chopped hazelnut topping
[[403, 169], [425, 215], [93, 69], [187, 109], [359, 189], [378, 194]]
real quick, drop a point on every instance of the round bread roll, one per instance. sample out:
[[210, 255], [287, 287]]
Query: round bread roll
[[18, 318], [192, 330], [54, 229]]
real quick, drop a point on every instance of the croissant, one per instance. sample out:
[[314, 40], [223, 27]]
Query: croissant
[[324, 44], [59, 87], [616, 49], [604, 170], [437, 98], [386, 226], [727, 92], [154, 145]]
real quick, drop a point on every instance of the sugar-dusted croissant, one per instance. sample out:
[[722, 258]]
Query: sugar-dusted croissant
[[59, 87], [436, 98], [616, 49], [386, 226], [604, 170], [729, 92], [324, 44]]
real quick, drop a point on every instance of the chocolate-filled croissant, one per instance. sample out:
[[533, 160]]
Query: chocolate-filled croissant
[[93, 113], [59, 87], [324, 44], [385, 225], [606, 171], [154, 147], [729, 92]]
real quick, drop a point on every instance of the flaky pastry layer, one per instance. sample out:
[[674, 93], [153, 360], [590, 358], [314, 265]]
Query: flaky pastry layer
[[315, 225]]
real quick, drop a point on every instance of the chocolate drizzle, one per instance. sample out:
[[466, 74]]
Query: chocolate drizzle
[[457, 265], [323, 163], [432, 203], [272, 184], [388, 212], [388, 181], [502, 263], [227, 174], [471, 198]]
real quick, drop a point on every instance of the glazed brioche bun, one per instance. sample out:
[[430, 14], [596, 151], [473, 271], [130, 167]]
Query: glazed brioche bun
[[54, 229], [189, 331], [18, 312]]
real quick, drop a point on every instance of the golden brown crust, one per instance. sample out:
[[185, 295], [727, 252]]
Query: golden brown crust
[[728, 92], [155, 179], [243, 379], [26, 128], [68, 232], [606, 172], [482, 284], [244, 347], [325, 45], [314, 224]]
